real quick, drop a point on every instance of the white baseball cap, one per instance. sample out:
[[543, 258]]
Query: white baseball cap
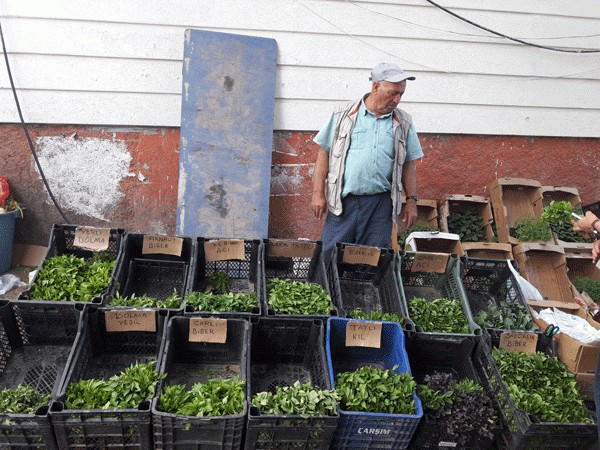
[[389, 72]]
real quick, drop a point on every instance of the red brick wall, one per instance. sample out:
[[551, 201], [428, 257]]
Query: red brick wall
[[454, 164]]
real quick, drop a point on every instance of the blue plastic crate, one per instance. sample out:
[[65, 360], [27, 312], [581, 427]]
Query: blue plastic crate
[[365, 429]]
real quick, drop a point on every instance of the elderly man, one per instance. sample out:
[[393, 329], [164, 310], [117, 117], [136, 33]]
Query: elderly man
[[366, 161]]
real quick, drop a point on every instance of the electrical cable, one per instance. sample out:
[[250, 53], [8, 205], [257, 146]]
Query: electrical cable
[[352, 2], [520, 41], [26, 131]]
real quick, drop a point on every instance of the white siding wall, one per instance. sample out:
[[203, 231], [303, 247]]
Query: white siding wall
[[116, 62]]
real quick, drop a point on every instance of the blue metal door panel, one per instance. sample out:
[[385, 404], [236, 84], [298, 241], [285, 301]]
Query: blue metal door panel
[[226, 135]]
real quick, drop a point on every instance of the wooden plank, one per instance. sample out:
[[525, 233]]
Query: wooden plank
[[226, 135]]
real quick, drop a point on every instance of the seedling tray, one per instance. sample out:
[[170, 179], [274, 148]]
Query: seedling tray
[[285, 350], [521, 430], [427, 355], [35, 343], [366, 287], [154, 274], [432, 285], [296, 268], [188, 363], [490, 282], [62, 242], [244, 277], [102, 354], [366, 429]]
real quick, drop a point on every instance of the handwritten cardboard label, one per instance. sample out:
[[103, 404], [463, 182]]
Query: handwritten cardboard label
[[165, 245], [298, 249], [208, 330], [363, 334], [130, 320], [89, 238], [430, 262], [224, 249], [361, 255], [518, 342]]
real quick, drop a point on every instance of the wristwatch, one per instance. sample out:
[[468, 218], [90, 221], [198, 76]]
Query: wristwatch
[[412, 197]]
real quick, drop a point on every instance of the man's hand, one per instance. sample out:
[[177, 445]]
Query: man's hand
[[409, 214], [596, 252], [319, 204]]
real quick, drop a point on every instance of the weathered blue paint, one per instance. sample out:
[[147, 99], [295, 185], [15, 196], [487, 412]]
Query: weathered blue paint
[[226, 135]]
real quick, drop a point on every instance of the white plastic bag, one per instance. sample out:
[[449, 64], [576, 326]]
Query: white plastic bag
[[575, 326], [529, 291], [9, 281]]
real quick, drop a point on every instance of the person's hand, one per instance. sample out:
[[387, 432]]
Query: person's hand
[[409, 214], [584, 226], [319, 204], [596, 252]]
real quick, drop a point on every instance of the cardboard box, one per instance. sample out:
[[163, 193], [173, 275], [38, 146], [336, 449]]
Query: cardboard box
[[491, 250], [514, 198], [457, 203], [578, 357], [545, 266], [426, 213], [579, 264], [434, 242], [585, 384], [560, 194]]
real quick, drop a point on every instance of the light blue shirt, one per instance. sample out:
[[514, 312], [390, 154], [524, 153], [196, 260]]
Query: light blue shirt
[[370, 158]]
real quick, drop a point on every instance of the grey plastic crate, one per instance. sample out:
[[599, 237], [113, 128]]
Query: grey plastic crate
[[432, 285]]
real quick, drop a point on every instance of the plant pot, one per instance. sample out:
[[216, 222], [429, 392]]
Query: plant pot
[[7, 234]]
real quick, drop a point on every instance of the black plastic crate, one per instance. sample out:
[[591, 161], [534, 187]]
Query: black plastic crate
[[62, 242], [428, 355], [593, 207], [155, 275], [244, 276], [296, 268], [102, 354], [366, 287], [187, 363], [285, 350], [522, 431], [35, 343], [432, 285], [377, 431], [490, 282]]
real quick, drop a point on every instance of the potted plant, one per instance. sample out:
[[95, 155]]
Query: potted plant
[[9, 211]]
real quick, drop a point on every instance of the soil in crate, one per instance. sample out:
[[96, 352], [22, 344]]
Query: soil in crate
[[179, 373]]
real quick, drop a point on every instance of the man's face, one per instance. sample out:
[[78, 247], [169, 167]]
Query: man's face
[[389, 95]]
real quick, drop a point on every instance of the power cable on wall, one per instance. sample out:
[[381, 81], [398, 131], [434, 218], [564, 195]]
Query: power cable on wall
[[24, 125], [520, 41]]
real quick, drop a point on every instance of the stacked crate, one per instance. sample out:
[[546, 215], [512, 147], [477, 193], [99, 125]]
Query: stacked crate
[[192, 354], [36, 343], [363, 429]]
